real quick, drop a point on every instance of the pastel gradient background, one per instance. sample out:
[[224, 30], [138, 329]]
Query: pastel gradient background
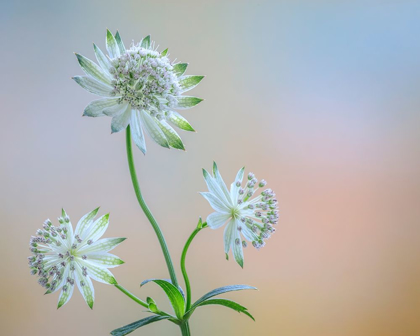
[[320, 98]]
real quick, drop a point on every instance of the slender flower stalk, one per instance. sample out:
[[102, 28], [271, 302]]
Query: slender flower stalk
[[147, 211], [183, 268], [132, 296]]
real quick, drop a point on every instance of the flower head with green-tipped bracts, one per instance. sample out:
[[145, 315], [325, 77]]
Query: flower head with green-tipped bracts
[[141, 88], [246, 215], [63, 258]]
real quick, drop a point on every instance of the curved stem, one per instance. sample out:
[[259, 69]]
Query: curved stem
[[132, 296], [185, 329], [183, 269], [147, 211]]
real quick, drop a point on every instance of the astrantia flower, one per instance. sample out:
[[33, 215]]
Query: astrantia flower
[[252, 217], [142, 88], [63, 258]]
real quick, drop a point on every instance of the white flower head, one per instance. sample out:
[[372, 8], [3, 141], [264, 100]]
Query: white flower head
[[63, 258], [246, 215], [141, 88]]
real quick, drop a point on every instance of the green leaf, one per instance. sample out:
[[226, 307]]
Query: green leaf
[[145, 43], [174, 294], [179, 121], [189, 82], [92, 69], [135, 325], [111, 45], [120, 43], [180, 68], [164, 53], [185, 102], [227, 303], [219, 291]]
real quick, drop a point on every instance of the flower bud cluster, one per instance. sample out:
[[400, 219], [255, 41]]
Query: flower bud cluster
[[261, 212], [145, 79], [50, 255]]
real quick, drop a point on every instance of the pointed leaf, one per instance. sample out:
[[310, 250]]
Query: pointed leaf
[[145, 43], [189, 82], [173, 138], [120, 43], [116, 110], [179, 121], [153, 129], [111, 45], [102, 59], [227, 303], [92, 69], [180, 68], [129, 328], [175, 296], [186, 102], [164, 53], [221, 290]]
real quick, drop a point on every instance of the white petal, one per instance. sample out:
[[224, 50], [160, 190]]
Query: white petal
[[106, 260], [217, 219], [137, 131], [116, 109], [220, 182], [216, 189], [96, 107], [215, 202], [237, 249], [248, 233], [98, 228], [94, 86], [92, 69], [87, 290], [85, 222], [233, 188], [102, 245], [102, 59], [153, 129], [121, 121], [65, 296], [229, 234], [99, 274]]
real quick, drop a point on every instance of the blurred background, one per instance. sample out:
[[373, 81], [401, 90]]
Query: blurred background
[[320, 98]]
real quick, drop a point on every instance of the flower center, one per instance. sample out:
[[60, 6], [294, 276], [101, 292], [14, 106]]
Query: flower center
[[235, 213], [145, 79]]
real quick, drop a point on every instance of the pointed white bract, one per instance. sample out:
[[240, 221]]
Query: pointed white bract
[[146, 84], [63, 257], [246, 215]]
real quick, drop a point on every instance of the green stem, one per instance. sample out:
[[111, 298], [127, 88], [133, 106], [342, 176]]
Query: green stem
[[146, 210], [185, 329], [132, 296], [184, 270]]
